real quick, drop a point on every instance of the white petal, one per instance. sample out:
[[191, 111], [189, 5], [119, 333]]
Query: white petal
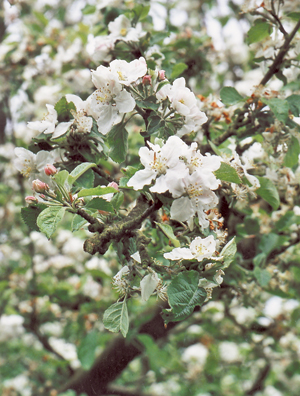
[[124, 102], [179, 254], [148, 285], [107, 117], [61, 129], [141, 178], [182, 209]]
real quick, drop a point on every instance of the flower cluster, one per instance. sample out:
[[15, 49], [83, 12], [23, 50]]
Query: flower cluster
[[185, 106], [185, 173]]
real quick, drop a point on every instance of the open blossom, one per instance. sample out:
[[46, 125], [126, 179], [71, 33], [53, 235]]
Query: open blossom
[[184, 102], [128, 73], [119, 280], [48, 124], [109, 101], [199, 249], [121, 29], [32, 165], [161, 164]]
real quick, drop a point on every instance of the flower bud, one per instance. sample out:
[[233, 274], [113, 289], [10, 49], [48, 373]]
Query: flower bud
[[113, 185], [50, 170], [39, 186], [31, 200], [147, 80], [161, 75]]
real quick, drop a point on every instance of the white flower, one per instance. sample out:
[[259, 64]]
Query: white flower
[[162, 164], [109, 101], [102, 47], [200, 197], [121, 29], [48, 124], [199, 249], [82, 123], [128, 73], [32, 165]]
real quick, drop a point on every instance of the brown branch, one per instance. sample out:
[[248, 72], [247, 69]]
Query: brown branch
[[124, 228], [276, 65], [259, 383]]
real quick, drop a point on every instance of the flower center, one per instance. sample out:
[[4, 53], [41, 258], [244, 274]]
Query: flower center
[[123, 32], [27, 168], [159, 165]]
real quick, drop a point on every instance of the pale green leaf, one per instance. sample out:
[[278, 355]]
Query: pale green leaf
[[279, 107], [263, 276], [168, 231], [292, 154], [100, 204], [268, 192], [78, 171], [118, 143], [116, 318], [178, 69], [228, 174], [228, 253], [86, 192], [49, 218], [86, 350], [259, 31], [230, 96]]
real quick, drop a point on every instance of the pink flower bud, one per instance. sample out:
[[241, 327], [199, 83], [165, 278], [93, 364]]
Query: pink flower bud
[[113, 185], [39, 186], [147, 80], [31, 200], [50, 170], [161, 75]]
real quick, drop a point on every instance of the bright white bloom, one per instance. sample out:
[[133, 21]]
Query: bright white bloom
[[162, 164], [32, 165], [128, 73], [136, 256], [82, 123], [121, 29], [199, 249], [109, 101], [199, 197], [102, 47], [48, 124]]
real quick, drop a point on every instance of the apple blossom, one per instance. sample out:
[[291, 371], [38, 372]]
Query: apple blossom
[[128, 73], [199, 249], [32, 165]]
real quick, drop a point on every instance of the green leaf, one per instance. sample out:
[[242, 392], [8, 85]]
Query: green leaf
[[292, 154], [77, 222], [147, 104], [259, 31], [86, 192], [86, 180], [154, 123], [230, 96], [228, 252], [279, 107], [61, 177], [117, 200], [88, 9], [79, 171], [141, 12], [285, 221], [168, 231], [29, 215], [100, 204], [294, 102], [118, 142], [184, 295], [263, 276], [227, 173], [116, 318], [49, 218], [268, 192], [41, 18], [270, 242], [178, 69], [86, 350], [63, 108]]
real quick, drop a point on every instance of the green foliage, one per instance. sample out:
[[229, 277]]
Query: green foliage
[[183, 296], [228, 253], [227, 173], [79, 171], [30, 215], [86, 192], [268, 192], [49, 218], [259, 31], [178, 69], [115, 318], [292, 154], [63, 108], [279, 107], [100, 204], [294, 102], [168, 231], [86, 350], [118, 143], [230, 96]]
